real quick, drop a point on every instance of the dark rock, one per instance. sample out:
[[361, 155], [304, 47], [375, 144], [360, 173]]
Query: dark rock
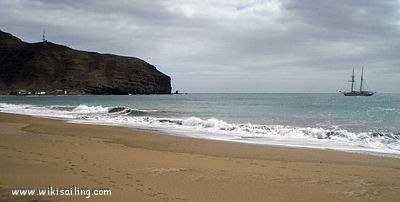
[[46, 66]]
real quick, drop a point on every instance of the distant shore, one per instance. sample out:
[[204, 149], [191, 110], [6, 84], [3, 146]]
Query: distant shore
[[144, 166]]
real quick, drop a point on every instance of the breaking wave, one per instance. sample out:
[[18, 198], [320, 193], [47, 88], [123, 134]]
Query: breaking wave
[[373, 141]]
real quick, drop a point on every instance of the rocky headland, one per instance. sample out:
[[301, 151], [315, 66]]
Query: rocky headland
[[53, 68]]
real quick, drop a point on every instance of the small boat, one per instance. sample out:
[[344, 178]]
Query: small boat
[[360, 92]]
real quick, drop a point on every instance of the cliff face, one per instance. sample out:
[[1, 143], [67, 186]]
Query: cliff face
[[47, 66]]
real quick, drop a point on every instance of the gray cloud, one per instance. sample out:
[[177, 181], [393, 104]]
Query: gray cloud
[[229, 46]]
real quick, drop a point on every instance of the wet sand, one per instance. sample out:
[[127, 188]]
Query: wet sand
[[146, 166]]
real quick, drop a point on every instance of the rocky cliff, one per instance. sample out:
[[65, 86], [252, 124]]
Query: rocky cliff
[[46, 66]]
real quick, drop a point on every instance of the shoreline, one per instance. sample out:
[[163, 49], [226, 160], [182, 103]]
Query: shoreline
[[163, 133], [148, 166], [209, 135]]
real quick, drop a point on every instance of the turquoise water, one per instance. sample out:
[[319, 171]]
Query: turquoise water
[[365, 124]]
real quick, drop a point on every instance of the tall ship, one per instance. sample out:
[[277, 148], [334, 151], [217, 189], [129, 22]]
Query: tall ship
[[355, 92]]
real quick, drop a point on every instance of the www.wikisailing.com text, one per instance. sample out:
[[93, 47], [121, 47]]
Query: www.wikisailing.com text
[[56, 191]]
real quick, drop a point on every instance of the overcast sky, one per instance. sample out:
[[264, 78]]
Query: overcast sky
[[229, 45]]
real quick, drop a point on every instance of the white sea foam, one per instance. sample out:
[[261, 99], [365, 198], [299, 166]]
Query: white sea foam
[[84, 109], [34, 110], [336, 138]]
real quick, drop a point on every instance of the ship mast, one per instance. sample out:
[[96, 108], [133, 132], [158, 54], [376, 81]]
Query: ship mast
[[362, 78], [352, 81]]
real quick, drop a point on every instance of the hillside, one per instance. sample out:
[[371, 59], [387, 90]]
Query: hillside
[[46, 66]]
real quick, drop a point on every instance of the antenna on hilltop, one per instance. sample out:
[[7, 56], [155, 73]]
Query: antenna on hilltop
[[44, 36]]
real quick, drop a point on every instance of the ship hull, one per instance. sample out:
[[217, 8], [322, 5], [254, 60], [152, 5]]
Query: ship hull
[[357, 93]]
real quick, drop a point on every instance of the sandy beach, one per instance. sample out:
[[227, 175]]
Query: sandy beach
[[146, 166]]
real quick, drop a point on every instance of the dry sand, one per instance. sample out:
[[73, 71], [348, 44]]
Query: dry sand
[[146, 166]]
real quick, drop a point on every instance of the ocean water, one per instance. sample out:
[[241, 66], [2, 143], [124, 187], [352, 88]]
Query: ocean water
[[328, 121]]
